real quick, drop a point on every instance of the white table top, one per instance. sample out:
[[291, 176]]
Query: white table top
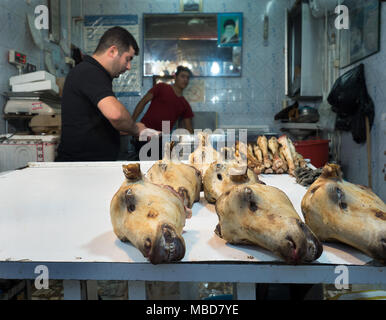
[[56, 212]]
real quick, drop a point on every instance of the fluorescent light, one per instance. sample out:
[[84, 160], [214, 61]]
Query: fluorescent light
[[215, 99], [215, 69]]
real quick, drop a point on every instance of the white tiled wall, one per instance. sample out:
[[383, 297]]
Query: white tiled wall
[[252, 99]]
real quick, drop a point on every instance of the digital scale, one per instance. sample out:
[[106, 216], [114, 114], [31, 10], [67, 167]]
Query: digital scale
[[33, 97], [31, 103], [44, 108], [32, 93]]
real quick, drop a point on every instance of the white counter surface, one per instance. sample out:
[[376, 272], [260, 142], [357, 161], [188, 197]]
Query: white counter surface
[[55, 212]]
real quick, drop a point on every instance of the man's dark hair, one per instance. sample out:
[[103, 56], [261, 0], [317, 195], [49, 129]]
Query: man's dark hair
[[229, 22], [182, 68], [119, 37]]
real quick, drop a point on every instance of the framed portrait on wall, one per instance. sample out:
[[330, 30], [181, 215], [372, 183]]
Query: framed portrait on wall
[[230, 29], [361, 39], [191, 5]]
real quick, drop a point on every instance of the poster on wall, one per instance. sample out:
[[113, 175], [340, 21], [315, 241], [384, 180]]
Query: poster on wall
[[362, 37], [229, 29], [195, 92], [128, 83]]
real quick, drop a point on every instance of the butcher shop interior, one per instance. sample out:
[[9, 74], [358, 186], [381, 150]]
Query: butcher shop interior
[[193, 150]]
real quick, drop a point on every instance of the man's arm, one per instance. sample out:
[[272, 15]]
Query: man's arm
[[141, 105], [118, 116], [188, 125]]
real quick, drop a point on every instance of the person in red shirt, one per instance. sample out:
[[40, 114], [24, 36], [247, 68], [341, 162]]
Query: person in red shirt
[[167, 104]]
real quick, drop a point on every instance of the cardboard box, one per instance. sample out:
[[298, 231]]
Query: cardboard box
[[48, 124]]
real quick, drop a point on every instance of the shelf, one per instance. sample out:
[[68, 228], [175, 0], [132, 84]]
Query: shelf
[[306, 98], [18, 116], [44, 96], [299, 125]]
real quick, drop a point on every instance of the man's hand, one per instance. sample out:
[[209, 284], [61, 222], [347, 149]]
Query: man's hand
[[147, 133], [140, 127]]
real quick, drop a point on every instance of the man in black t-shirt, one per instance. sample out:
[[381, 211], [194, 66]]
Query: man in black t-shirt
[[92, 117]]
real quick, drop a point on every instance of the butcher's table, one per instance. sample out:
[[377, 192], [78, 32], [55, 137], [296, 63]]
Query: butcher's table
[[57, 215]]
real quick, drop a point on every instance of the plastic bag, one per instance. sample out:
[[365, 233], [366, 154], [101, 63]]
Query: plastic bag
[[327, 118], [352, 104]]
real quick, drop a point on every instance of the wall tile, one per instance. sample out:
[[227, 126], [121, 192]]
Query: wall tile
[[262, 66]]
